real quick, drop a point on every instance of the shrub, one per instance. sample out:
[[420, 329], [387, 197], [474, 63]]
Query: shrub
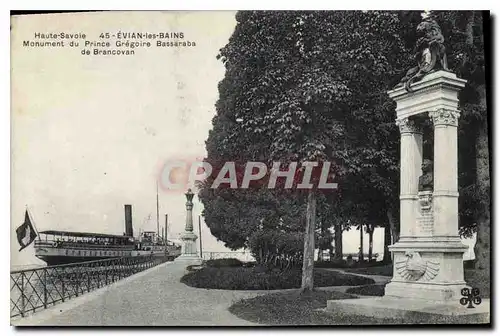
[[346, 264], [331, 264], [224, 262], [385, 270], [277, 249], [249, 264], [242, 278], [290, 308]]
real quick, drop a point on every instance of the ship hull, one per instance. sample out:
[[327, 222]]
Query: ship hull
[[61, 260], [52, 260], [54, 254]]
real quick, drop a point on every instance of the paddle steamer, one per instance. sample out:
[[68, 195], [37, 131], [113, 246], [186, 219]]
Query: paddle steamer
[[65, 247]]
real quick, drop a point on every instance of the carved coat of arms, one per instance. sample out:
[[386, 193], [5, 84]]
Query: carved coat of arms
[[413, 267]]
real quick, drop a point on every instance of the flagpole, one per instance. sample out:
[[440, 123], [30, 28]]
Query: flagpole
[[33, 221]]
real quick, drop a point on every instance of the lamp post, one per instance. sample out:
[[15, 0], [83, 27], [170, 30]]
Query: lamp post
[[189, 251], [189, 208]]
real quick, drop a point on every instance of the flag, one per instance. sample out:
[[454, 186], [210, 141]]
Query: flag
[[26, 232]]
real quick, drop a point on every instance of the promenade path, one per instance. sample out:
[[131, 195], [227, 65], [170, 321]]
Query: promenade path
[[154, 297]]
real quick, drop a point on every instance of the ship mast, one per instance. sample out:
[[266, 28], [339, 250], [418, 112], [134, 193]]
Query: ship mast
[[157, 212]]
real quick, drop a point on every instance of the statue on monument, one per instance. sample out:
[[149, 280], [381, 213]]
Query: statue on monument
[[430, 53], [426, 180]]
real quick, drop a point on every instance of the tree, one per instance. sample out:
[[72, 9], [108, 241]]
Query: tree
[[339, 248], [233, 215], [311, 86], [324, 236], [291, 82], [294, 98], [464, 33], [374, 50], [378, 162]]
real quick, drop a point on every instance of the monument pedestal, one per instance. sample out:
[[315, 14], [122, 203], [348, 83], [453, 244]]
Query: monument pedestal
[[428, 272], [428, 258], [189, 253], [427, 268]]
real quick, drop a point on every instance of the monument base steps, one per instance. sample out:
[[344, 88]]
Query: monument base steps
[[412, 311], [189, 259]]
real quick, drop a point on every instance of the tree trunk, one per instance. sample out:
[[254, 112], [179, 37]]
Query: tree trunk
[[392, 225], [308, 262], [338, 242], [370, 228], [482, 247], [387, 241], [361, 257], [320, 242], [482, 215]]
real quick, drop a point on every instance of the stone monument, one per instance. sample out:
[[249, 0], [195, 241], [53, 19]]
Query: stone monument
[[428, 273], [189, 253]]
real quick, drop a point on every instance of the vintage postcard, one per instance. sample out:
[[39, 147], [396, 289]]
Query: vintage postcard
[[250, 168]]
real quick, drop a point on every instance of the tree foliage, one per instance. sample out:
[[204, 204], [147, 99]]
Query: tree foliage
[[465, 34], [311, 86]]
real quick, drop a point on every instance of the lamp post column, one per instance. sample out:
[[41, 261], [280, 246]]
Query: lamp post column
[[189, 251]]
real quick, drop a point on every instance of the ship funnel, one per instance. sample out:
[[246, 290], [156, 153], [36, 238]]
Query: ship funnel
[[129, 231]]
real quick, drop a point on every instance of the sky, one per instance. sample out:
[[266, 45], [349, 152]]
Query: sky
[[91, 133]]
